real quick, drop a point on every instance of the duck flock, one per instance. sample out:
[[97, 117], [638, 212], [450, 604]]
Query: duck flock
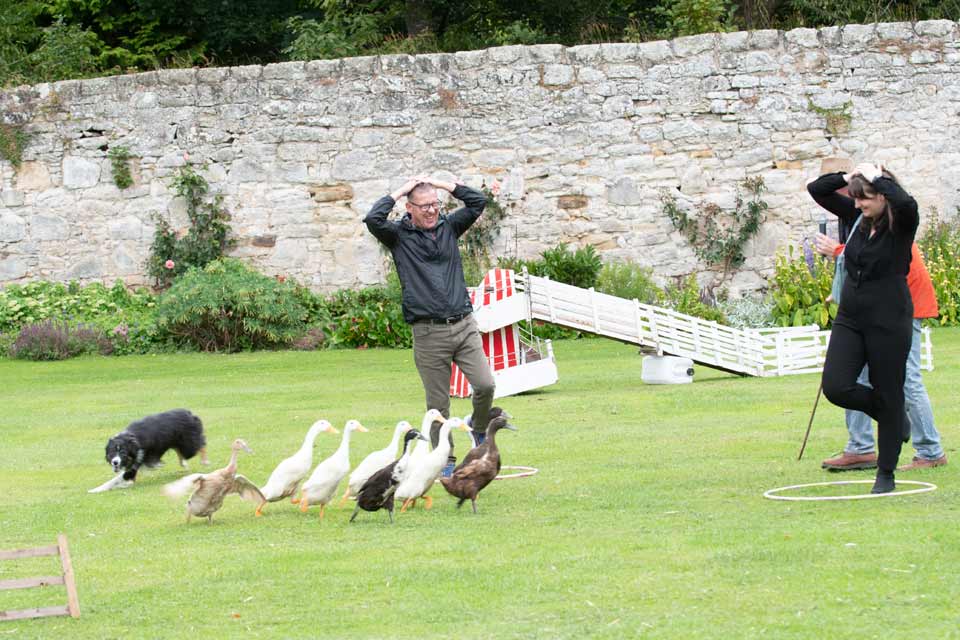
[[378, 482]]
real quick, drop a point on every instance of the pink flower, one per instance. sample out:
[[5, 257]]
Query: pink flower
[[495, 188], [169, 264]]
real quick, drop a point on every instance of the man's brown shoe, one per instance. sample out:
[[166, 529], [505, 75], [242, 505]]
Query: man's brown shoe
[[923, 463], [847, 461]]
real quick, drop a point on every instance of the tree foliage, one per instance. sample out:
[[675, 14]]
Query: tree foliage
[[43, 40]]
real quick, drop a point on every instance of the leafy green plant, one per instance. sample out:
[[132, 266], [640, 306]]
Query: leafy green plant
[[720, 244], [13, 142], [749, 312], [940, 245], [581, 268], [686, 296], [518, 32], [120, 163], [228, 306], [66, 51], [800, 289], [337, 36], [368, 317], [127, 318], [690, 17], [58, 340], [629, 280], [205, 241]]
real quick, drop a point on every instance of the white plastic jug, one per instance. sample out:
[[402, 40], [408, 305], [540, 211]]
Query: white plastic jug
[[667, 370]]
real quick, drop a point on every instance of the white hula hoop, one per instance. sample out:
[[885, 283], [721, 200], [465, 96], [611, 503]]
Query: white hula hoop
[[772, 493], [524, 472]]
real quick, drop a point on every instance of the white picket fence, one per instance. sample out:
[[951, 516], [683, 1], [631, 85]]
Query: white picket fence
[[755, 352]]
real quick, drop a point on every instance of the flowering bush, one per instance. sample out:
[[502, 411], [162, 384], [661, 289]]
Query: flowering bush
[[172, 254], [940, 245], [93, 304], [53, 340]]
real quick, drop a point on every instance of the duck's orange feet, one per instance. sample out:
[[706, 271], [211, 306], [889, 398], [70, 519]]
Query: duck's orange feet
[[304, 505], [346, 496], [294, 500], [427, 502], [407, 503], [322, 509], [259, 511]]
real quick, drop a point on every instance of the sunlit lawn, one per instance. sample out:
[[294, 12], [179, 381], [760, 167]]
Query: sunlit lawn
[[646, 519]]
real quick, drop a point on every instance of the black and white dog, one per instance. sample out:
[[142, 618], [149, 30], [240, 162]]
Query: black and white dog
[[145, 441]]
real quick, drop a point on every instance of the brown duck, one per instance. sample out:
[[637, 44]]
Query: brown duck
[[209, 489], [479, 467]]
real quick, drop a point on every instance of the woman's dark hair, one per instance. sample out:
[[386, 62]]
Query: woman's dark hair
[[860, 187]]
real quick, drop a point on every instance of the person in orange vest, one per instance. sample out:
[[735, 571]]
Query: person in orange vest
[[859, 452]]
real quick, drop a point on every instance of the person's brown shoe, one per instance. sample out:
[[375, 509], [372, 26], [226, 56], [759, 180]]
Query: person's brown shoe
[[923, 463], [847, 461]]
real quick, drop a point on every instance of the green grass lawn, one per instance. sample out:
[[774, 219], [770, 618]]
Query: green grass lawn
[[646, 519]]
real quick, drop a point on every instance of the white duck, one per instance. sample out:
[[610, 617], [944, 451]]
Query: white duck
[[375, 461], [422, 448], [290, 472], [422, 474], [321, 486]]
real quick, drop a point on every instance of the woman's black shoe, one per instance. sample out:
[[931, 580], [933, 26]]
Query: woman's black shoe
[[884, 482]]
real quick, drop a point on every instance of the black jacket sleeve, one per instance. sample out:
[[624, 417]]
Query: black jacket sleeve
[[464, 217], [824, 191], [906, 217], [377, 223]]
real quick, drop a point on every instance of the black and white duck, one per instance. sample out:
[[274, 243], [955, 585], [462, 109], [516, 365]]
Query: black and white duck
[[377, 492]]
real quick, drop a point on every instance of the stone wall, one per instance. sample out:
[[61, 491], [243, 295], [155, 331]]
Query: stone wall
[[582, 139]]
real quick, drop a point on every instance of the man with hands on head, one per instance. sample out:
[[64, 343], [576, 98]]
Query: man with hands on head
[[423, 243]]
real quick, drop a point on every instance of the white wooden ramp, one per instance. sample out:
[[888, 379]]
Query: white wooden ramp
[[754, 352]]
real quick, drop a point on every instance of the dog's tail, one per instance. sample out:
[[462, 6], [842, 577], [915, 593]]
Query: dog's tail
[[180, 487]]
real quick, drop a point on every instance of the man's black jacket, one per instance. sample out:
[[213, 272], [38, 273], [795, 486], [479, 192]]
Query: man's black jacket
[[428, 261]]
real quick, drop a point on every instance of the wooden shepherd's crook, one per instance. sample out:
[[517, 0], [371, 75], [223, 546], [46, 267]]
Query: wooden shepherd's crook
[[810, 424]]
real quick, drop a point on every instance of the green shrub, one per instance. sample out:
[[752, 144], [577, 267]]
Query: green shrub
[[368, 317], [940, 245], [748, 312], [690, 17], [800, 288], [685, 296], [57, 340], [581, 268], [629, 280], [127, 318], [227, 306]]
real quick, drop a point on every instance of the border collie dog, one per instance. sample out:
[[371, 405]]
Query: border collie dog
[[144, 442]]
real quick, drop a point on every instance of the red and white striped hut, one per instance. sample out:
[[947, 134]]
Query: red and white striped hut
[[519, 361]]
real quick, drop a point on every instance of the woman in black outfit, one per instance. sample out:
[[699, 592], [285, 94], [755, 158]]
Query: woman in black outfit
[[874, 323]]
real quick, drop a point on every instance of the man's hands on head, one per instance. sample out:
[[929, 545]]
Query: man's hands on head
[[437, 183]]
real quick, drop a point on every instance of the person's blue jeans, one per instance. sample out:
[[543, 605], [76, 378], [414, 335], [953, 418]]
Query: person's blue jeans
[[926, 439]]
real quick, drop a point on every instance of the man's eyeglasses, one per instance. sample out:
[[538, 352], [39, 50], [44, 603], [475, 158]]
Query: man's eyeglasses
[[427, 206]]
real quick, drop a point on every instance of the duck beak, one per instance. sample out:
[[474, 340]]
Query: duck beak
[[247, 449], [510, 426], [422, 437], [362, 429], [331, 429]]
